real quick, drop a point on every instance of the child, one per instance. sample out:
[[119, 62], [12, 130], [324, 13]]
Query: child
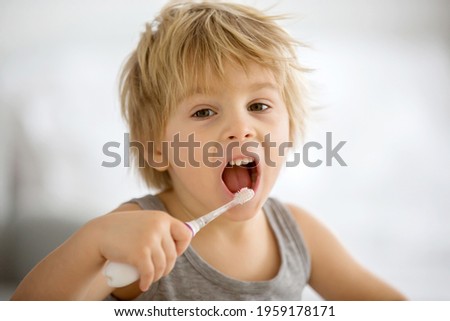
[[209, 92]]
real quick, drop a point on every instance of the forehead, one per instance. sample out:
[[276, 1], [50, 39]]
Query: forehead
[[251, 77]]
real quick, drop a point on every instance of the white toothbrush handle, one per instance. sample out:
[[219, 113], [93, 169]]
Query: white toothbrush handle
[[197, 224], [120, 274]]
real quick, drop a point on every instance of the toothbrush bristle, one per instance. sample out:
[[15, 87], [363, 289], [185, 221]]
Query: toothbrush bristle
[[244, 195]]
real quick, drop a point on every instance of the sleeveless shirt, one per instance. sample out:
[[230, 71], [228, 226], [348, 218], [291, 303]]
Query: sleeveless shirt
[[193, 279]]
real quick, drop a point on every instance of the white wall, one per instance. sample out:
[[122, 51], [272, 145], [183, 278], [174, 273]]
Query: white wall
[[382, 83]]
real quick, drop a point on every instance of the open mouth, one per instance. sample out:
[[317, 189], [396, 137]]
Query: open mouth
[[240, 173]]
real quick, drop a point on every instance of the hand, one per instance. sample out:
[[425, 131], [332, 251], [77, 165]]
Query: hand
[[148, 240]]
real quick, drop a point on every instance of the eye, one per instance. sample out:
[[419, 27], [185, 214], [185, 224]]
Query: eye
[[203, 113], [258, 107]]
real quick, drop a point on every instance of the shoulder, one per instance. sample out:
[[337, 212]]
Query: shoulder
[[301, 216], [307, 225], [311, 227], [335, 274], [127, 207], [322, 244], [145, 202]]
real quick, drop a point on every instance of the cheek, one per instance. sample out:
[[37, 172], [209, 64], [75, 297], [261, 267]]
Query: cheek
[[280, 128], [186, 156], [279, 140]]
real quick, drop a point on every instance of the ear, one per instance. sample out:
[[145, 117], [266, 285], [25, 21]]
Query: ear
[[157, 155]]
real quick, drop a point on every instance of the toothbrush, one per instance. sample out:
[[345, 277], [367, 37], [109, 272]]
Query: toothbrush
[[122, 274], [244, 195]]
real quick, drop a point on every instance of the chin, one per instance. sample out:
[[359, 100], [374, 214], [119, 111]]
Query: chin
[[248, 211]]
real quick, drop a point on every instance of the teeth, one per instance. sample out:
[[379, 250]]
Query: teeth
[[241, 161]]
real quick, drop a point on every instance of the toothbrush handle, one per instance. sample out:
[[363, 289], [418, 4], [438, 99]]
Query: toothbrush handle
[[120, 274], [199, 223]]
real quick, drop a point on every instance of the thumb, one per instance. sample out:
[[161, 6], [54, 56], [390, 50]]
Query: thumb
[[181, 234]]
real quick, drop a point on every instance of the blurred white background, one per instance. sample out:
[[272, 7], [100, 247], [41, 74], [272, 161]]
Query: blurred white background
[[381, 83]]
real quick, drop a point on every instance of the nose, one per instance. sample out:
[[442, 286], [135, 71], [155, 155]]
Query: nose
[[239, 126]]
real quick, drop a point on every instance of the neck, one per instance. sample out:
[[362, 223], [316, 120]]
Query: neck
[[221, 226], [176, 207]]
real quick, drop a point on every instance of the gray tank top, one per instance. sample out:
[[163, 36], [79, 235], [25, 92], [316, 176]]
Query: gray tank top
[[194, 279]]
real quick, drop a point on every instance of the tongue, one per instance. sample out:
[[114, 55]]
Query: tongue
[[236, 178]]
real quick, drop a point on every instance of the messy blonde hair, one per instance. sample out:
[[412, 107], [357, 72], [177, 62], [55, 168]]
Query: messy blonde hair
[[187, 43]]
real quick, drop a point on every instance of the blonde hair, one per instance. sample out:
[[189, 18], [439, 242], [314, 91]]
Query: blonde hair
[[187, 43]]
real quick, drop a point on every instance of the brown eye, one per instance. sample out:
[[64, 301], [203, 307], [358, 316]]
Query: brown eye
[[203, 113], [257, 107]]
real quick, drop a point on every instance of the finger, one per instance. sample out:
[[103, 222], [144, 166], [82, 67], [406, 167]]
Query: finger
[[181, 234], [170, 251], [159, 263], [146, 271]]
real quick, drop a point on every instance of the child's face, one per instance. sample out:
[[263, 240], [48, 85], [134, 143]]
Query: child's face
[[232, 119]]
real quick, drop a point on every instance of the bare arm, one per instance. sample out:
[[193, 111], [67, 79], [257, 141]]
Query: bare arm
[[73, 271], [335, 275], [66, 273]]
